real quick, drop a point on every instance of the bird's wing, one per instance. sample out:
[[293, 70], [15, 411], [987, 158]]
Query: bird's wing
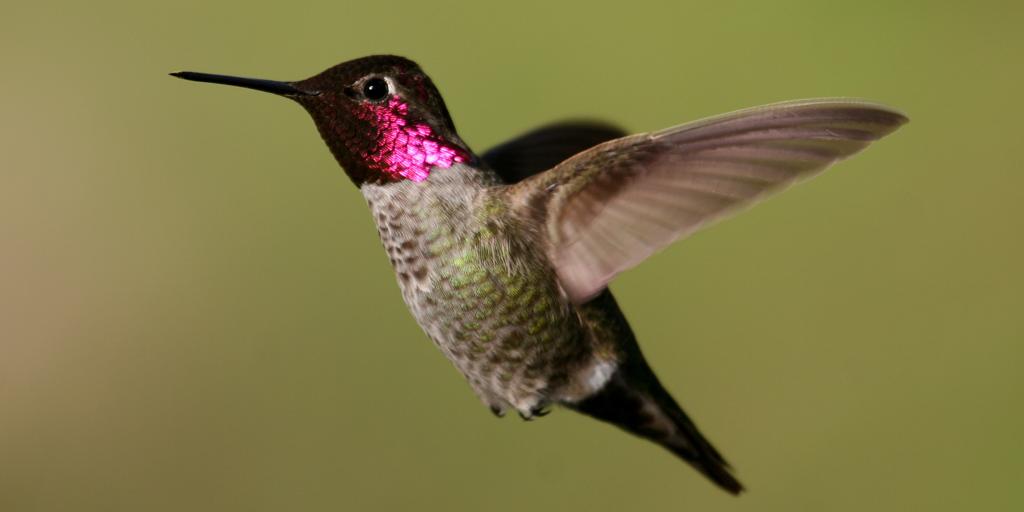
[[545, 147], [610, 207]]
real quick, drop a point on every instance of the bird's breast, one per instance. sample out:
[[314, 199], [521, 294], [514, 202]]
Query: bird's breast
[[481, 289]]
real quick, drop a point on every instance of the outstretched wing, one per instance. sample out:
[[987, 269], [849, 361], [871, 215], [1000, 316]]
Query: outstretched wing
[[607, 209], [545, 147]]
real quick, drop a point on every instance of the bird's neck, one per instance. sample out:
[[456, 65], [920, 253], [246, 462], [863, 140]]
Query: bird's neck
[[419, 221], [448, 192], [382, 143]]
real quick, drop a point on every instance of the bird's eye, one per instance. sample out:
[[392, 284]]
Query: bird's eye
[[376, 89]]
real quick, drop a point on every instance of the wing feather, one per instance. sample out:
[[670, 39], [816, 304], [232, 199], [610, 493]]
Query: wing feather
[[610, 207]]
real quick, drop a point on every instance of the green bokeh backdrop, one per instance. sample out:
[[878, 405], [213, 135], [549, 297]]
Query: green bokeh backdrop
[[195, 312]]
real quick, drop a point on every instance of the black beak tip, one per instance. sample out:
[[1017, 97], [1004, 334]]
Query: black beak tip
[[195, 77]]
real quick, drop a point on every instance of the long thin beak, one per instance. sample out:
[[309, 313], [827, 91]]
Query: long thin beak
[[272, 86]]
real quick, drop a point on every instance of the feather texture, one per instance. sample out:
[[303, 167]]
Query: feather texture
[[608, 208], [545, 147]]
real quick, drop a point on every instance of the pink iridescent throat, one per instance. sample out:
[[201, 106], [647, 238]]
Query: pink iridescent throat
[[403, 149]]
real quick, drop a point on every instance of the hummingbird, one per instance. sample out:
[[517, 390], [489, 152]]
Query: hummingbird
[[504, 257]]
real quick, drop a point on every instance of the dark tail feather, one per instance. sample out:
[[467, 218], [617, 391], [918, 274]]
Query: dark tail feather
[[642, 407]]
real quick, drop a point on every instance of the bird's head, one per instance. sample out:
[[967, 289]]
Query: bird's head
[[381, 117]]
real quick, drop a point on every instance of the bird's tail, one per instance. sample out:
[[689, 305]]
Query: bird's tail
[[637, 403]]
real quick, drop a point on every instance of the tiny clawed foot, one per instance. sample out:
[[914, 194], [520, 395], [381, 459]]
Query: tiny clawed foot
[[536, 412]]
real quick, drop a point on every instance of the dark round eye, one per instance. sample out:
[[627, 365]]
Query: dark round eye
[[376, 89]]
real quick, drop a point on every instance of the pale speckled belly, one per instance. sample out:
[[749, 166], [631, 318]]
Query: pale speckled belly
[[481, 291]]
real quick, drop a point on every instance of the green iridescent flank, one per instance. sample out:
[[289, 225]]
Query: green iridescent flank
[[490, 300], [439, 247], [536, 325], [492, 208], [461, 280], [513, 286], [527, 298], [485, 288]]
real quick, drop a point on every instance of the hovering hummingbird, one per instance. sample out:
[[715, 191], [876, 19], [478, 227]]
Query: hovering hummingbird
[[504, 257]]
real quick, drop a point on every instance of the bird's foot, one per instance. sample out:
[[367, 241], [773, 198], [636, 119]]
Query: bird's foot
[[535, 412]]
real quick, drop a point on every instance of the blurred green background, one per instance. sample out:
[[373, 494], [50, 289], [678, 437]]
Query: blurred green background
[[195, 312]]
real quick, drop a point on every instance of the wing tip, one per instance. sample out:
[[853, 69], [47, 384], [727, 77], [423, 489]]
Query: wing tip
[[880, 111], [877, 118], [887, 119]]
